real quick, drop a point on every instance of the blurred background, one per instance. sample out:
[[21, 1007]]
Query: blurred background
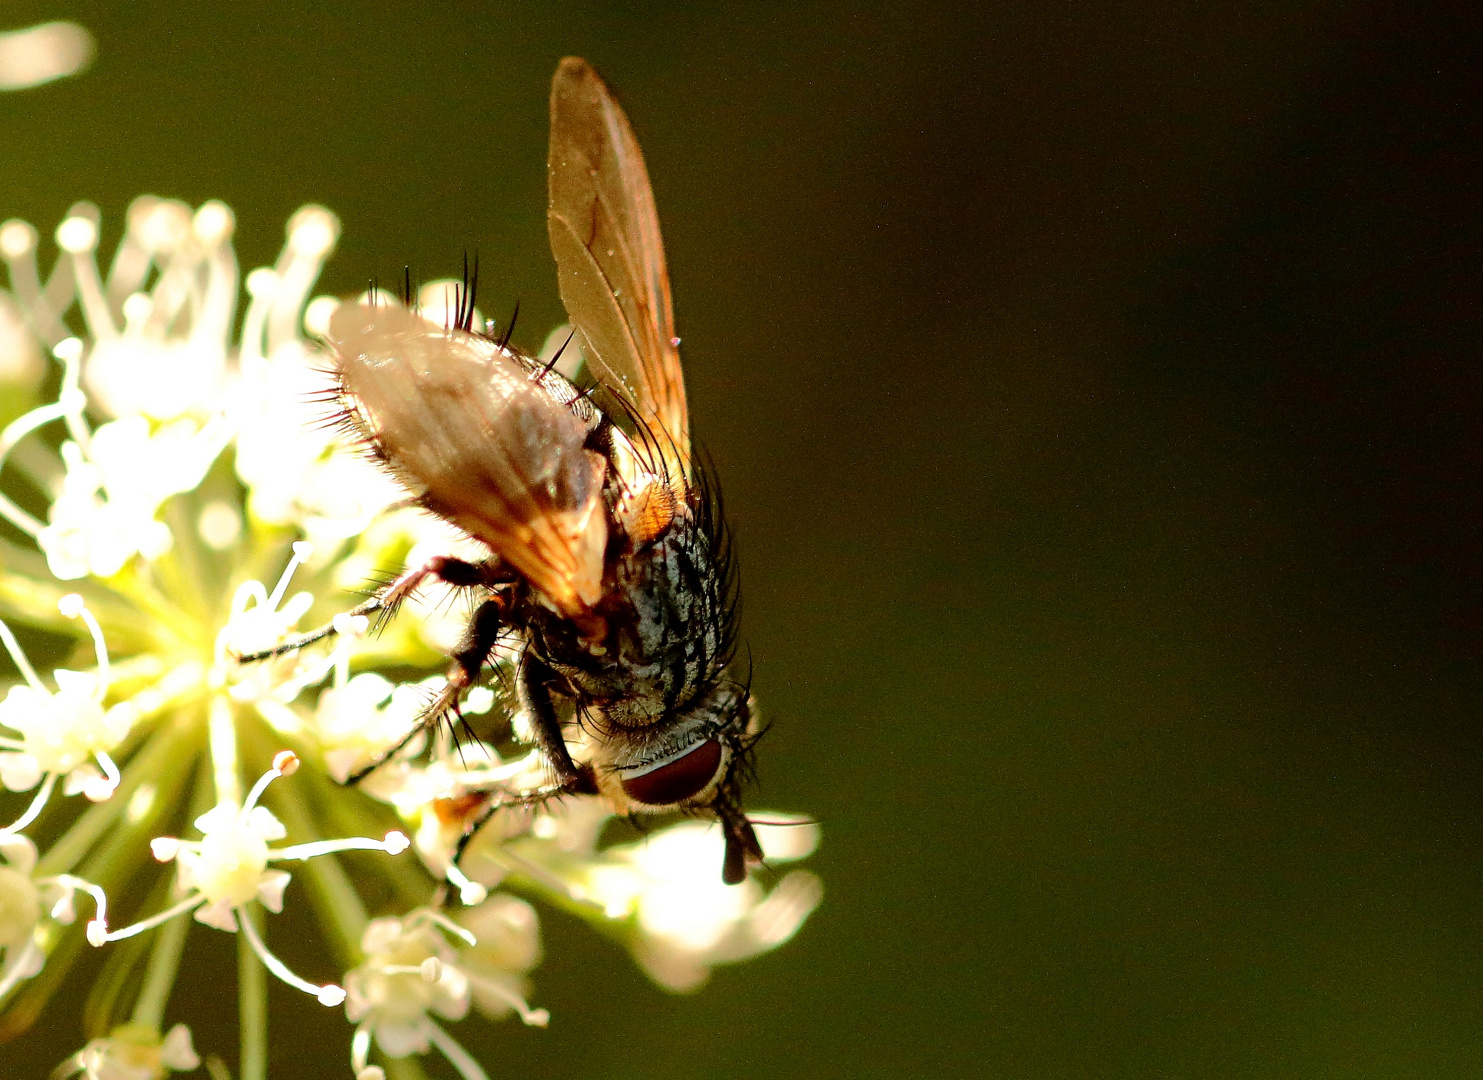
[[1097, 391]]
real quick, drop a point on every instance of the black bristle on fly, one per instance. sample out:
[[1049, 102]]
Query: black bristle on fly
[[505, 340], [463, 315], [550, 364]]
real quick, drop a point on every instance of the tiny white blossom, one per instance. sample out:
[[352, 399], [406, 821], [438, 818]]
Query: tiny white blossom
[[228, 867], [409, 971], [67, 733], [508, 946], [687, 920], [25, 899], [134, 1052], [358, 720], [20, 912]]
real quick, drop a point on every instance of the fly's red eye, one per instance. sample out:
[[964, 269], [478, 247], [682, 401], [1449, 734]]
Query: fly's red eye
[[674, 779]]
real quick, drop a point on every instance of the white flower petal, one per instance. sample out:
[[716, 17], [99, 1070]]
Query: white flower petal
[[270, 889], [220, 915], [19, 772], [177, 1051]]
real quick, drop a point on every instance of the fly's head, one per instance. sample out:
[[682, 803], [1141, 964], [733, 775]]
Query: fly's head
[[693, 761]]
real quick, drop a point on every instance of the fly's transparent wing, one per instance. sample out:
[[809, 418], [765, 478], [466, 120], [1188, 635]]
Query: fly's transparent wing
[[610, 259]]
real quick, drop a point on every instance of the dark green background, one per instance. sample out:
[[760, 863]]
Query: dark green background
[[1097, 393]]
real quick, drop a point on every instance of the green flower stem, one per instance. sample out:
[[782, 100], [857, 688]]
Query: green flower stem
[[159, 977], [334, 898], [164, 960], [184, 573], [115, 865], [540, 886], [124, 965], [31, 996], [252, 1005], [407, 1068], [349, 816], [166, 755], [172, 631], [225, 771]]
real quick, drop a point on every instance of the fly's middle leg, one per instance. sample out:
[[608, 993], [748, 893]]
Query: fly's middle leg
[[456, 572], [468, 659]]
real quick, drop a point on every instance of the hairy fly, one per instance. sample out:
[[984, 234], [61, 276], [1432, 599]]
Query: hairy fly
[[609, 562]]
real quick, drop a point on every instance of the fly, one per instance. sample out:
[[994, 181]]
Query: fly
[[610, 562]]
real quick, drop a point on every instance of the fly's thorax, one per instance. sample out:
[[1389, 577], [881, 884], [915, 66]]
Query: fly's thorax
[[681, 761], [665, 633]]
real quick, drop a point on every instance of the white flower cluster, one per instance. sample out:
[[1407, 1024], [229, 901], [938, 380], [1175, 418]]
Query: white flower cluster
[[164, 470]]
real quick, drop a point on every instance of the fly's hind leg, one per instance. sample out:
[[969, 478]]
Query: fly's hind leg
[[455, 572]]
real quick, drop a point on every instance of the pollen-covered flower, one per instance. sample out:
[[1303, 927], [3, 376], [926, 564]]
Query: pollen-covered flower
[[186, 506]]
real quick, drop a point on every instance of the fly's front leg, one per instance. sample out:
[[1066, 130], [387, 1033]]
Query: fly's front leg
[[533, 685], [455, 572], [535, 694]]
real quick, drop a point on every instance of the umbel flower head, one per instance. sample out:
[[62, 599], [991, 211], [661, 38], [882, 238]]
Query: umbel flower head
[[169, 503]]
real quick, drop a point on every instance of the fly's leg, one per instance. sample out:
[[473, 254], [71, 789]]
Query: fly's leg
[[468, 660], [534, 797], [743, 851], [455, 572], [534, 687]]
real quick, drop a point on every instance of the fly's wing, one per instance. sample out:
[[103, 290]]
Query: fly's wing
[[461, 424], [610, 259]]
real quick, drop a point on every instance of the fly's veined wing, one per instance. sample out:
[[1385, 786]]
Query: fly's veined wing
[[462, 426], [610, 257]]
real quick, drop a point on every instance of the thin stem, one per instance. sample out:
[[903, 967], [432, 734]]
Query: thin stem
[[35, 808], [327, 847], [17, 430], [457, 1056], [193, 901], [330, 890], [224, 770], [329, 994], [252, 1002], [340, 813], [530, 1017], [159, 977], [407, 1068], [18, 656]]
